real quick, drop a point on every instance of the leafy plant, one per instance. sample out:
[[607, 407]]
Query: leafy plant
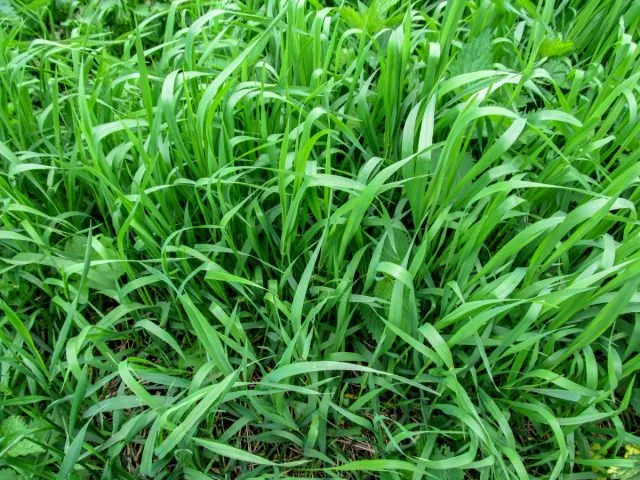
[[474, 56], [555, 47], [14, 427], [627, 473], [7, 10], [8, 474]]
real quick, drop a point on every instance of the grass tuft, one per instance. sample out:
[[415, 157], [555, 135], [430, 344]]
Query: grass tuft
[[288, 239]]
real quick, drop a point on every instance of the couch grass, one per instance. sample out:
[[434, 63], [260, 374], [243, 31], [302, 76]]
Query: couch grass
[[276, 239]]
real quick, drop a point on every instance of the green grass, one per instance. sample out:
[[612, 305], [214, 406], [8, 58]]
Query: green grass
[[275, 239]]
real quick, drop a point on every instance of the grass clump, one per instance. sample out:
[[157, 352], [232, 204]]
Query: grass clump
[[283, 239]]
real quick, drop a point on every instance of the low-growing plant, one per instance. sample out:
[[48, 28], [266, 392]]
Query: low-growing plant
[[295, 239]]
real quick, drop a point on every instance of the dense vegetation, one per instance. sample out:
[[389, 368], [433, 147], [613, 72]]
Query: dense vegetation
[[282, 238]]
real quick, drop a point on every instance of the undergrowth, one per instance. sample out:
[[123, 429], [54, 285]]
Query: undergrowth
[[277, 239]]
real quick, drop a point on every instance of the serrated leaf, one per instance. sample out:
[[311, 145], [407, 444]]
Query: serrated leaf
[[8, 474], [635, 400], [372, 321], [396, 246], [475, 56], [555, 47], [384, 288], [620, 473], [372, 18], [557, 69], [372, 316], [25, 447], [13, 426], [632, 452], [7, 10], [352, 17], [444, 451]]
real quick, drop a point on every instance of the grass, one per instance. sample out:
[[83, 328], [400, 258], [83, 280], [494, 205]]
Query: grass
[[277, 239]]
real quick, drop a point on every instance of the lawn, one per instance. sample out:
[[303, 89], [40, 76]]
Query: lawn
[[278, 239]]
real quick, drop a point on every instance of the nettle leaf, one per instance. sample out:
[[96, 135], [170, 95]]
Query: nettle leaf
[[632, 452], [25, 447], [371, 314], [555, 47], [474, 56], [625, 473], [635, 400], [444, 451], [102, 277], [8, 474], [384, 288], [558, 69], [7, 10], [372, 321], [396, 246], [12, 427], [372, 18], [352, 17]]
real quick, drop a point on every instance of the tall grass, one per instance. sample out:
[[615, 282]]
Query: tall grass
[[274, 239]]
